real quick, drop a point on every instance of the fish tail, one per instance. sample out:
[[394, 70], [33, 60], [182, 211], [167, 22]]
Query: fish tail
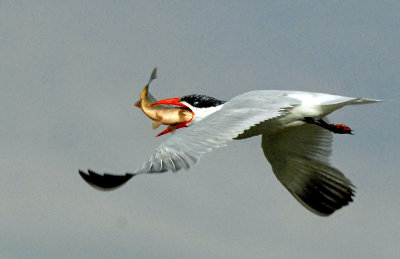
[[153, 75]]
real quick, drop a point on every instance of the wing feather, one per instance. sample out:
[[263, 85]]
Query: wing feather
[[299, 157]]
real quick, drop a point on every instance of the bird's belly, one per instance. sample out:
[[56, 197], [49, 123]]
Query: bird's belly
[[296, 117]]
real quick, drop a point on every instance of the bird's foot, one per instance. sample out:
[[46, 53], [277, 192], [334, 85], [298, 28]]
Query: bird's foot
[[335, 128], [340, 129]]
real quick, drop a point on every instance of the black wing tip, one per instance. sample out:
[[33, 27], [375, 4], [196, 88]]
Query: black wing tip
[[104, 182], [324, 198]]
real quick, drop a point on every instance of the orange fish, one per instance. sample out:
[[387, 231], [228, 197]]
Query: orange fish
[[174, 117]]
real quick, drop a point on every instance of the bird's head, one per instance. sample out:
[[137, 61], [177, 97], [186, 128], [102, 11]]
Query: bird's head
[[200, 105]]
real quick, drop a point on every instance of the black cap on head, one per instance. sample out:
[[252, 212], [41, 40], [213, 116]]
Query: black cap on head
[[201, 101]]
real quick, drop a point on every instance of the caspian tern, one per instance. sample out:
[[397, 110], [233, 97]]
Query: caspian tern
[[296, 140]]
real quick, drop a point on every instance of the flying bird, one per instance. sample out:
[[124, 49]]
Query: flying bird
[[296, 139]]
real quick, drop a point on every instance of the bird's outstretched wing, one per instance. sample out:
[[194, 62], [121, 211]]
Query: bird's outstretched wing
[[187, 145], [299, 157]]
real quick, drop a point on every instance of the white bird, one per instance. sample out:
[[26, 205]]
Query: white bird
[[296, 140]]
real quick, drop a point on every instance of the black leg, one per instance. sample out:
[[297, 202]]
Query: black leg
[[335, 128]]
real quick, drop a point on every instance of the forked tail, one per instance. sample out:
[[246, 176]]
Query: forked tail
[[363, 101]]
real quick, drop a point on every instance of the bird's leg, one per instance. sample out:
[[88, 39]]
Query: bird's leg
[[335, 128]]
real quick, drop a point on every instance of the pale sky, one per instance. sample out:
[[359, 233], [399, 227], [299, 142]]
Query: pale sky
[[71, 71]]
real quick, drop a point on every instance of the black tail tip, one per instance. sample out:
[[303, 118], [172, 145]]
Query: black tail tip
[[105, 182]]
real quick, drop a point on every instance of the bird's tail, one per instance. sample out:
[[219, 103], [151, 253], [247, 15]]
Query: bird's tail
[[363, 101], [344, 101]]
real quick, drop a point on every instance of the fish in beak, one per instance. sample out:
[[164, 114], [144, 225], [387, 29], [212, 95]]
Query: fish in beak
[[168, 112]]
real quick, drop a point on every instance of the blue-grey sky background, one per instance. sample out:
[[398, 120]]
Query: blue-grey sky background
[[71, 71]]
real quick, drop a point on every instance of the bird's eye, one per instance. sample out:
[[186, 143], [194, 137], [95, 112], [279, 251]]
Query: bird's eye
[[196, 103]]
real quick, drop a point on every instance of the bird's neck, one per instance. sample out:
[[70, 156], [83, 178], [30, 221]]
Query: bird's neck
[[201, 113]]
